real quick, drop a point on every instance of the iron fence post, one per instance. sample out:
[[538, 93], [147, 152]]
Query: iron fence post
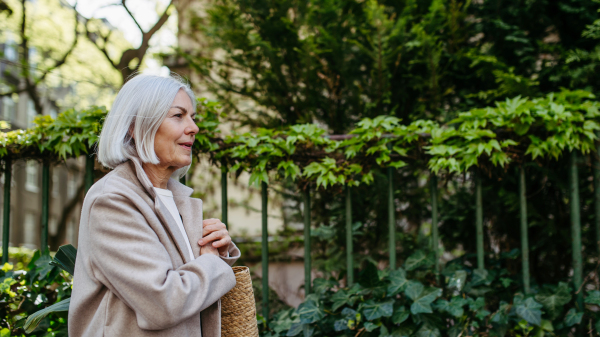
[[6, 212], [349, 247], [576, 228], [596, 166], [391, 218], [479, 222], [265, 253], [524, 230], [45, 205], [307, 258], [434, 224], [224, 196]]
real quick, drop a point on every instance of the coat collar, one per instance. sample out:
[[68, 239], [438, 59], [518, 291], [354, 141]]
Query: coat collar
[[177, 188], [190, 210]]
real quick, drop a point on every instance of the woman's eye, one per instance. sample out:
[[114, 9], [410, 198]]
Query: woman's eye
[[178, 115]]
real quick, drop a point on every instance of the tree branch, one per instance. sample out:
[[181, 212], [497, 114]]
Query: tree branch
[[102, 49], [131, 15], [59, 238], [63, 60]]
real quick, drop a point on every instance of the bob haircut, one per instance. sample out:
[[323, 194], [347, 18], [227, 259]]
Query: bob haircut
[[140, 108]]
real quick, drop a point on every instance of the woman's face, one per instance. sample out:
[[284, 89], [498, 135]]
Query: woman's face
[[175, 136]]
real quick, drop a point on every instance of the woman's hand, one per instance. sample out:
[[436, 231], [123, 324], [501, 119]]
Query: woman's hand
[[215, 235], [208, 249]]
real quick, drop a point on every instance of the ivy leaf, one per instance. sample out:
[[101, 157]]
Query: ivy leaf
[[309, 312], [340, 324], [418, 259], [501, 316], [573, 317], [458, 280], [530, 311], [373, 310], [414, 290], [592, 298], [295, 329], [398, 282], [554, 302], [480, 276], [422, 298], [371, 326], [400, 315], [428, 331], [454, 307]]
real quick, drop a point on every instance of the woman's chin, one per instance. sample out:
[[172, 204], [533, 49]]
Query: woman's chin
[[184, 162]]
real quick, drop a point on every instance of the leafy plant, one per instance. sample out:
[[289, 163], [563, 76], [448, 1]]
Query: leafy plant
[[35, 300], [402, 303]]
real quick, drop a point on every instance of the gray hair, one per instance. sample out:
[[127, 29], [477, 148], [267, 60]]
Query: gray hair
[[140, 108]]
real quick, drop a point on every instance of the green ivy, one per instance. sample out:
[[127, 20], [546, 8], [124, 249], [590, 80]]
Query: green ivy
[[513, 131], [406, 302]]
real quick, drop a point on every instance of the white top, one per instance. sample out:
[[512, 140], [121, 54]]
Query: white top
[[166, 197]]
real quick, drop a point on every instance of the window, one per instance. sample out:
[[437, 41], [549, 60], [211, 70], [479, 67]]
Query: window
[[31, 176], [55, 182], [71, 231], [31, 113], [52, 226], [29, 230], [8, 108], [71, 185]]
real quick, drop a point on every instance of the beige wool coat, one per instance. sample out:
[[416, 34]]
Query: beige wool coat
[[133, 274]]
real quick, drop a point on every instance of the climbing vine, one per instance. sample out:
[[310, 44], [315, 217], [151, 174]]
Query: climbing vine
[[513, 131]]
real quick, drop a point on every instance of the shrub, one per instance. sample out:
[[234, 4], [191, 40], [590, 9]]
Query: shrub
[[24, 292], [409, 301]]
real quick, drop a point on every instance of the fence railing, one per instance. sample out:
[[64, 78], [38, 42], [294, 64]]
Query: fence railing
[[575, 228], [573, 200]]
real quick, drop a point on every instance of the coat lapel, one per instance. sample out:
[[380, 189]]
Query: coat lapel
[[161, 209], [191, 214], [167, 219]]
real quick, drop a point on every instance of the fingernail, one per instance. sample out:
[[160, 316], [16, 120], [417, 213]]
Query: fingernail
[[200, 242]]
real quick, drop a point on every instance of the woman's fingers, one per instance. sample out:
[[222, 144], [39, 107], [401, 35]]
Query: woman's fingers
[[216, 232], [216, 235], [213, 228], [224, 242], [208, 222]]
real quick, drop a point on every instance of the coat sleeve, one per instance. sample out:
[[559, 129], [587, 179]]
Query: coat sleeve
[[234, 254], [130, 260]]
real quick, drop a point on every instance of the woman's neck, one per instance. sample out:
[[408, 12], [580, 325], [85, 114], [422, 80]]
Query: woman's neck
[[158, 175]]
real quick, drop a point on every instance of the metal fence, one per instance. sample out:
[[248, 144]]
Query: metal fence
[[573, 200]]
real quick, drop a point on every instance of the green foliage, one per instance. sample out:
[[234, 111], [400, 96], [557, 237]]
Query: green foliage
[[42, 292], [337, 62], [401, 303], [519, 128], [71, 134], [20, 257], [65, 260]]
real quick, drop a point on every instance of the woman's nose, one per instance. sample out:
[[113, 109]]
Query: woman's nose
[[192, 127]]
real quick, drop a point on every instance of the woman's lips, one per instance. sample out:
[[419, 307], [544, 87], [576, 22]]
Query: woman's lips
[[187, 146]]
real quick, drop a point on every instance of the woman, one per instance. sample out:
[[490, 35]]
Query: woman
[[147, 264]]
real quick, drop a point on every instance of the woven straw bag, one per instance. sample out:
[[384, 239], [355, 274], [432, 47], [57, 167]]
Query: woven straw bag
[[238, 310]]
